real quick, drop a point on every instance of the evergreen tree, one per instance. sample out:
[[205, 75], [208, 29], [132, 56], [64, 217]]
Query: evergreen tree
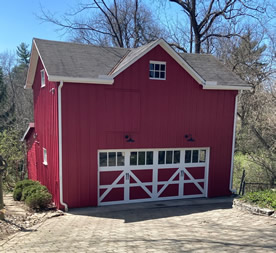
[[23, 54], [7, 108]]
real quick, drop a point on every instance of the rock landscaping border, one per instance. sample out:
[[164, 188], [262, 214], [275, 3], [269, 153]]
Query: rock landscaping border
[[244, 206]]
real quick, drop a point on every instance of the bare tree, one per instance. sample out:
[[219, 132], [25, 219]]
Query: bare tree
[[122, 23], [208, 19], [254, 62], [21, 100]]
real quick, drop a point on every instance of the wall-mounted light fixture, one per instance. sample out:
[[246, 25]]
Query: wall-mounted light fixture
[[129, 139], [189, 137]]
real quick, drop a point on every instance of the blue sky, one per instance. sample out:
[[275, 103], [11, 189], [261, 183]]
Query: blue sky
[[18, 21]]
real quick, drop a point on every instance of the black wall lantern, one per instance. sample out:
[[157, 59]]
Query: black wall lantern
[[189, 137], [129, 139]]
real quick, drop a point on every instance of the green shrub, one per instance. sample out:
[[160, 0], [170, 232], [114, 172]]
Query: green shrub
[[29, 190], [35, 195], [265, 198], [17, 193], [39, 200], [20, 186]]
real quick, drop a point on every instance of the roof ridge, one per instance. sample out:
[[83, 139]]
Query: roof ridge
[[83, 44]]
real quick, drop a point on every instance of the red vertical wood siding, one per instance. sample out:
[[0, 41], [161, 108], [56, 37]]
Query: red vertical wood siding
[[31, 155], [156, 113], [46, 127]]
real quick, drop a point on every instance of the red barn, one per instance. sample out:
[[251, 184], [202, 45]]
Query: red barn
[[116, 125]]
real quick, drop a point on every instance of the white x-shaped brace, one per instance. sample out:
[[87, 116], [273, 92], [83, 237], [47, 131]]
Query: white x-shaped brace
[[193, 180], [141, 184]]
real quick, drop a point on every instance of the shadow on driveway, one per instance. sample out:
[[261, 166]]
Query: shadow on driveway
[[155, 210]]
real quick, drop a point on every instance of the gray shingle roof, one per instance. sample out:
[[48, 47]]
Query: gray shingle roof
[[132, 54], [78, 60], [211, 69], [74, 60]]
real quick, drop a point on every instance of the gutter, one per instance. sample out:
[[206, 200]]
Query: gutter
[[60, 149], [233, 146]]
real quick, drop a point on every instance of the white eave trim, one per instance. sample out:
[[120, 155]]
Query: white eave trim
[[226, 87], [66, 79], [27, 131], [35, 54]]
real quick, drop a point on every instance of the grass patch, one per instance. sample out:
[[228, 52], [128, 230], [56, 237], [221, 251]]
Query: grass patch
[[264, 199]]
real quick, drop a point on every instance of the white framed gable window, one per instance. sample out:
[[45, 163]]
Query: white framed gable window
[[45, 162], [42, 72], [157, 70]]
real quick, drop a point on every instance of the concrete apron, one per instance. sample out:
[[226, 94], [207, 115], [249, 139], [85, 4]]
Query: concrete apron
[[151, 205]]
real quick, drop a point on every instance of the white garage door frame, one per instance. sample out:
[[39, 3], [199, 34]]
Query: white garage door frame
[[126, 173]]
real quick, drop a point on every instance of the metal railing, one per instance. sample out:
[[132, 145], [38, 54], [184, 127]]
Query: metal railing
[[251, 187]]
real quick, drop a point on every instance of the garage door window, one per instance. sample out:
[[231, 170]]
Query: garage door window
[[112, 159], [169, 157], [141, 158], [195, 156]]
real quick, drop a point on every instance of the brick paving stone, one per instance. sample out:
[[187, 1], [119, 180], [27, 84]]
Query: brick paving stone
[[148, 228]]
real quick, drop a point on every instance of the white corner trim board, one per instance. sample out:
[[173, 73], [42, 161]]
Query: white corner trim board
[[233, 144], [60, 148]]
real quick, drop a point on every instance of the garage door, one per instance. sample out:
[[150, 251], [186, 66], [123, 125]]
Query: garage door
[[126, 176]]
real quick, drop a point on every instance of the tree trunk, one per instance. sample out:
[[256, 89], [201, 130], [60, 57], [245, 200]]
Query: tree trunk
[[197, 44], [1, 198]]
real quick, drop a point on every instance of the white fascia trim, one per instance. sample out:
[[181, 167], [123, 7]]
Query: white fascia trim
[[60, 149], [182, 62], [211, 83], [233, 144], [26, 132], [32, 67], [172, 53], [225, 87], [66, 79]]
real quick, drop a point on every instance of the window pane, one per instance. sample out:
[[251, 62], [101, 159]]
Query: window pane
[[141, 158], [163, 67], [162, 75], [133, 158], [42, 78], [149, 158], [103, 159], [161, 157], [157, 66], [202, 156], [195, 156], [156, 75], [112, 159], [151, 66], [120, 158], [176, 157], [151, 74], [188, 154], [169, 157], [45, 156]]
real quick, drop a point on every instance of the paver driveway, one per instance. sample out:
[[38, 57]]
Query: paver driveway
[[174, 226]]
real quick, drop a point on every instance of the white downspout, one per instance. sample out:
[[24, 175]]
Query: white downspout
[[233, 146], [60, 148]]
